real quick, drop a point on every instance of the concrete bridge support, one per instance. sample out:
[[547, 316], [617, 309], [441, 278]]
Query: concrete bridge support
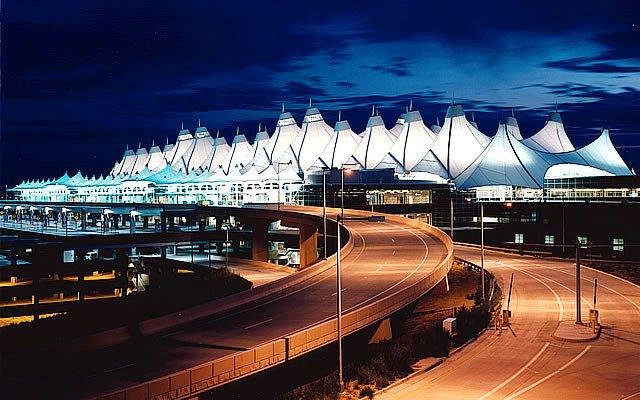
[[308, 245], [260, 240]]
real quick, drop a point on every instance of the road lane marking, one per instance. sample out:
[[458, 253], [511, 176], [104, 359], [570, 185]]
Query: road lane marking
[[549, 376], [258, 324], [631, 396], [393, 240], [394, 253], [334, 293], [514, 376], [558, 300]]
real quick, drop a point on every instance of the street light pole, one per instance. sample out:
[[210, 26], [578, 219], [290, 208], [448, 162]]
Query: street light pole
[[451, 212], [324, 212], [339, 297], [482, 245], [342, 192], [578, 311]]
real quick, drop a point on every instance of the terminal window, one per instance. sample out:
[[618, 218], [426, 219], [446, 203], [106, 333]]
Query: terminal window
[[618, 244], [582, 239], [549, 239], [519, 238]]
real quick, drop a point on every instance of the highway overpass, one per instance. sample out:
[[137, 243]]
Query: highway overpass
[[386, 266]]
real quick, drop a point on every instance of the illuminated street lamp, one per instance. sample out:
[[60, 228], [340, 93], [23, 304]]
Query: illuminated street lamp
[[343, 171], [324, 210], [278, 164], [339, 221]]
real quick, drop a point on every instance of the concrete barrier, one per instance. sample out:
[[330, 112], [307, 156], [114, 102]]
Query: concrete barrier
[[211, 374]]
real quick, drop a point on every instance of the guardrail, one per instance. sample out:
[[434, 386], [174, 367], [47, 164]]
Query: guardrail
[[214, 373]]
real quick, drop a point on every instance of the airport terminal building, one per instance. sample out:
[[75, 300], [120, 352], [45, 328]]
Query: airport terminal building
[[435, 173]]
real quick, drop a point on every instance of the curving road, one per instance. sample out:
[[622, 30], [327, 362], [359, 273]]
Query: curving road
[[526, 362], [386, 258]]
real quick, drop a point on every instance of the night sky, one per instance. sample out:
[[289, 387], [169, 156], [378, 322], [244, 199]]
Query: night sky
[[82, 79]]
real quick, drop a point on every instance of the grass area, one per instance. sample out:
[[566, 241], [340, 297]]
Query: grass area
[[179, 292], [419, 336], [625, 270]]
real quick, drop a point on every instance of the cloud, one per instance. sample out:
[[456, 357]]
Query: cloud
[[588, 64]]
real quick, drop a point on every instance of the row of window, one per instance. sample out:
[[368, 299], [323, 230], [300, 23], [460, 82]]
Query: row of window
[[618, 243]]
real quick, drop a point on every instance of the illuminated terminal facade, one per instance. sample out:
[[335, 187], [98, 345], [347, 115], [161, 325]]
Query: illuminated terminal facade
[[286, 166]]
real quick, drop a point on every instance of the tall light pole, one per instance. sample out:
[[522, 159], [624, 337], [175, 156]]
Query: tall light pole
[[451, 211], [342, 172], [278, 164], [578, 310], [482, 246], [324, 211], [339, 297]]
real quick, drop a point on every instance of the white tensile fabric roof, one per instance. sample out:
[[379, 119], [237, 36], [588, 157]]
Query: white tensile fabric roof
[[259, 159], [174, 157], [286, 131], [397, 128], [375, 144], [198, 152], [458, 143], [508, 162], [513, 127], [241, 153], [217, 155], [156, 159], [413, 142], [126, 165], [458, 152], [306, 148], [142, 158], [340, 148], [552, 138]]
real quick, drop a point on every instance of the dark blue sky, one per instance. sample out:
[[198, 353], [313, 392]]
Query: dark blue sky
[[81, 79]]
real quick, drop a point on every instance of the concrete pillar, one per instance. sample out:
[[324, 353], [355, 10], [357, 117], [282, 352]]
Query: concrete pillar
[[116, 217], [260, 241], [201, 228], [83, 220], [145, 222], [308, 245], [132, 224]]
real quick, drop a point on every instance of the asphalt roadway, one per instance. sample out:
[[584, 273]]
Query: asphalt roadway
[[525, 361], [387, 256]]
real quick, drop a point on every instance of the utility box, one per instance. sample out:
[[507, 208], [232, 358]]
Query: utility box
[[449, 325], [506, 316], [594, 316]]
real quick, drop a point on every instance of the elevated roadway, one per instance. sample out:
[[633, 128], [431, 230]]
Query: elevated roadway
[[386, 266], [525, 361]]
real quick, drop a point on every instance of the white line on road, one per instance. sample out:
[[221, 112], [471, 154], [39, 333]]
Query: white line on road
[[259, 323], [334, 293], [560, 305], [631, 396], [551, 375], [514, 376], [394, 253]]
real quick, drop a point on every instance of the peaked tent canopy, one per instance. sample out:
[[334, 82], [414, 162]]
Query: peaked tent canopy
[[174, 157], [413, 143], [397, 128], [198, 152], [342, 145], [513, 128], [240, 154], [552, 138], [507, 162], [314, 136], [156, 159], [217, 155], [375, 144], [459, 143], [286, 131]]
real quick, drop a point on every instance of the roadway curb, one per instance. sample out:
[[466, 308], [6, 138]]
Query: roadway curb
[[432, 365]]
